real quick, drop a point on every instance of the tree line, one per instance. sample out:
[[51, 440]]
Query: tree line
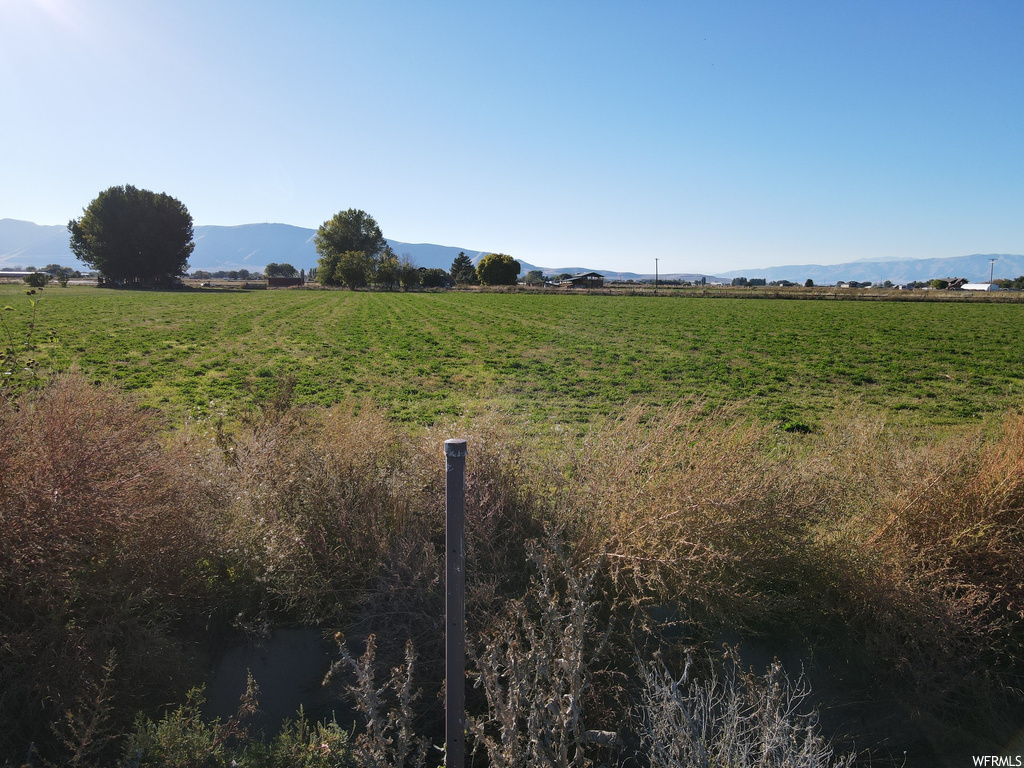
[[135, 236], [271, 270], [40, 278], [354, 254]]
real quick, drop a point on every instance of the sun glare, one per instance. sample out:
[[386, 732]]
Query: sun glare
[[62, 13]]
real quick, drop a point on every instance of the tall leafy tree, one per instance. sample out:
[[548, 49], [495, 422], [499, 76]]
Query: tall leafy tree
[[497, 269], [57, 270], [134, 235], [408, 272], [351, 268], [348, 232], [386, 272], [463, 272], [434, 278], [280, 270]]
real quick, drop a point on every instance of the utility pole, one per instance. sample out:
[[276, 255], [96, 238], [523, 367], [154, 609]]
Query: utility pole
[[991, 269], [655, 275]]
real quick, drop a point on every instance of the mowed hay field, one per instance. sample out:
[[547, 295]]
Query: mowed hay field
[[547, 359]]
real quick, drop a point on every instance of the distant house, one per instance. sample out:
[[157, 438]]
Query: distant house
[[979, 287], [585, 280]]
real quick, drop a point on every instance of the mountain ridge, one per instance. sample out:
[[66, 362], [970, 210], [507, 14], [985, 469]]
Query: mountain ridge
[[974, 267], [253, 246]]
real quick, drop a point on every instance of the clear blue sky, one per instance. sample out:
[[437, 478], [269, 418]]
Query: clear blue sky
[[709, 135]]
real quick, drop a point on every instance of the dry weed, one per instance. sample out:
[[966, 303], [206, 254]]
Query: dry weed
[[101, 533], [917, 542], [734, 720], [691, 506], [316, 505], [389, 739], [537, 667]]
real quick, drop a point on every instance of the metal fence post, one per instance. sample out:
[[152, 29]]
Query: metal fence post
[[455, 603]]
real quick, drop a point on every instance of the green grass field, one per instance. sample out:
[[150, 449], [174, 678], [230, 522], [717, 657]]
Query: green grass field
[[551, 358]]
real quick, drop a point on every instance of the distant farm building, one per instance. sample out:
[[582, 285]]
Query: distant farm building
[[283, 282], [585, 280], [979, 287]]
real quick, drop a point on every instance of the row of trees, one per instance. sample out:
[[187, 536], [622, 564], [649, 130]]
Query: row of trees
[[1017, 284], [134, 235], [493, 269], [54, 270], [40, 278], [271, 270], [353, 253]]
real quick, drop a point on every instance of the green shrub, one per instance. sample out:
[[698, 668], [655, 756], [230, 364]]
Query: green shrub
[[37, 280], [182, 738]]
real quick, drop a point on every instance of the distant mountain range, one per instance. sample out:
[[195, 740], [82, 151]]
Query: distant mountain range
[[975, 268], [253, 246], [248, 246]]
